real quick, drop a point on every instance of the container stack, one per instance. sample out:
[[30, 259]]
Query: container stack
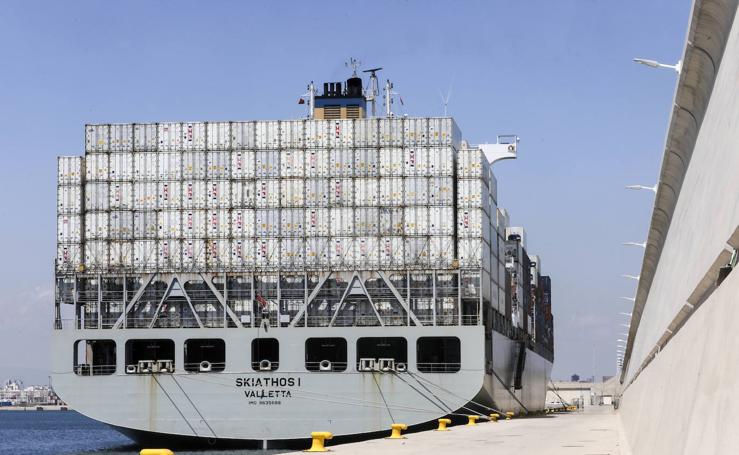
[[69, 213]]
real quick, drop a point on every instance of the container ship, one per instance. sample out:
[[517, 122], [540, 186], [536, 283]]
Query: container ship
[[250, 282]]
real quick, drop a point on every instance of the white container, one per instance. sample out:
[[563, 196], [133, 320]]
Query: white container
[[243, 135], [366, 132], [317, 252], [193, 136], [391, 221], [341, 162], [292, 254], [193, 254], [417, 252], [219, 135], [96, 166], [218, 194], [472, 163], [219, 226], [441, 252], [391, 252], [341, 192], [416, 191], [416, 221], [441, 191], [367, 252], [170, 254], [441, 161], [121, 225], [292, 222], [69, 229], [97, 138], [145, 225], [267, 223], [219, 165], [218, 255], [292, 193], [69, 170], [242, 223], [342, 253], [267, 193], [367, 192], [367, 221], [292, 134], [268, 134], [366, 162], [317, 222], [341, 133], [97, 195], [169, 195], [441, 220], [242, 164], [69, 199], [68, 257], [391, 191], [194, 195], [473, 222], [444, 131], [145, 166], [415, 131], [242, 193], [145, 137], [194, 224], [121, 137], [121, 254], [242, 254], [316, 133], [267, 163], [316, 193], [169, 136], [415, 161], [391, 162], [292, 163], [391, 132], [121, 167], [96, 254], [341, 221], [267, 252], [144, 195], [169, 166], [473, 193], [194, 165], [471, 252], [96, 226], [170, 224], [316, 163]]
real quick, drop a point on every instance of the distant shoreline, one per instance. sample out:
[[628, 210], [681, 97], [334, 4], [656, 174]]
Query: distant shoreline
[[34, 408]]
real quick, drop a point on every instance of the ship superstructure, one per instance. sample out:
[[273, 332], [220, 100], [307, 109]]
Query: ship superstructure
[[227, 276]]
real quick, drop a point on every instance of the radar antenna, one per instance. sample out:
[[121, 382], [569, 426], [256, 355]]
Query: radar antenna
[[374, 90], [353, 63]]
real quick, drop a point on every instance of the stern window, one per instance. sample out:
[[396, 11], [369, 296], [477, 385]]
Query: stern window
[[438, 354], [205, 355], [265, 354], [325, 354]]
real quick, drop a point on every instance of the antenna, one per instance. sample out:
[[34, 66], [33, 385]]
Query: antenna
[[373, 90], [353, 63], [445, 100]]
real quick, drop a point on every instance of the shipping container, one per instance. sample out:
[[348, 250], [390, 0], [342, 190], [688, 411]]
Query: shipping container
[[218, 254], [292, 163], [416, 191], [218, 194], [391, 132], [341, 133], [69, 229], [170, 224], [292, 222], [219, 165], [416, 221], [391, 191], [341, 162], [473, 222], [317, 252], [441, 191], [169, 166], [473, 193], [121, 254], [242, 254], [97, 138], [169, 254], [96, 254], [69, 170], [366, 221], [441, 251], [169, 136], [267, 223], [194, 224], [267, 252], [316, 133], [366, 132], [292, 134], [391, 221], [169, 195], [219, 135], [415, 161], [97, 195], [96, 167], [145, 225], [267, 163], [121, 225], [193, 136], [243, 135], [194, 195], [317, 222], [121, 167], [440, 161], [417, 251], [473, 252], [441, 220], [317, 163], [193, 254], [267, 193], [68, 257], [415, 131], [69, 199], [219, 226], [341, 221], [341, 252], [145, 166], [96, 226], [316, 192], [444, 131], [144, 195], [145, 255], [268, 134], [341, 192], [292, 193], [194, 165], [242, 164], [242, 223], [243, 194], [391, 162], [366, 192], [471, 163], [366, 162], [292, 254], [121, 137], [145, 137], [391, 252], [367, 252]]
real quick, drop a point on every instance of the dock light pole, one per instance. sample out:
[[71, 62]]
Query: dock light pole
[[642, 187], [677, 67], [643, 245]]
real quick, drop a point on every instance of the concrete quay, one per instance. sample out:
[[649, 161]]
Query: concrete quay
[[596, 431]]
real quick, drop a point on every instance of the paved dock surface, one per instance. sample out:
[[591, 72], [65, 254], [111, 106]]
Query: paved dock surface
[[596, 431]]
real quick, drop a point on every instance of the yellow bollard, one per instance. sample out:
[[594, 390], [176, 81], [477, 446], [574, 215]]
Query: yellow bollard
[[156, 452], [494, 417], [396, 429], [443, 423], [318, 439], [472, 420], [509, 415]]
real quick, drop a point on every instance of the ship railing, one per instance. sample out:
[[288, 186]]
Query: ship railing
[[322, 366], [85, 369], [438, 367], [470, 319]]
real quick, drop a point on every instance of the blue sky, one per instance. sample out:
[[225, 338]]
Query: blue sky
[[558, 74]]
